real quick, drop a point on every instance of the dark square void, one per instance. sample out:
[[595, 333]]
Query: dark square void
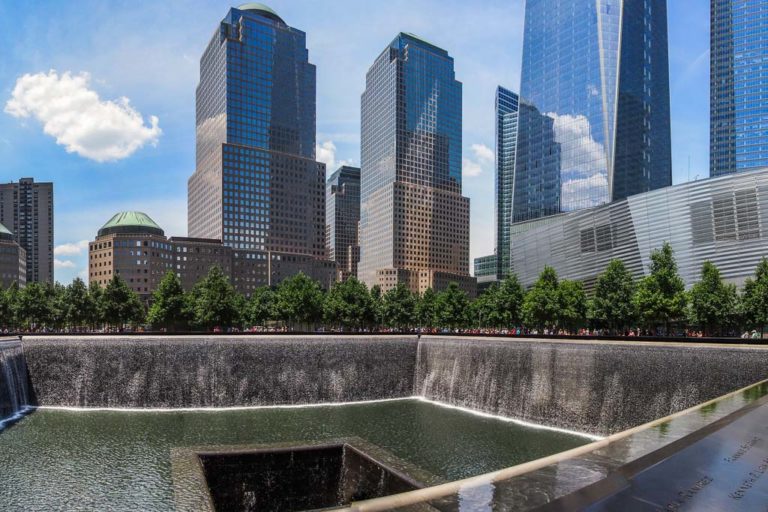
[[298, 478]]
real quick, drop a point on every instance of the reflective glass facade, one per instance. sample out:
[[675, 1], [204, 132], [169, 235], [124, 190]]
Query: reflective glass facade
[[342, 216], [257, 185], [738, 86], [412, 216], [594, 110], [507, 103]]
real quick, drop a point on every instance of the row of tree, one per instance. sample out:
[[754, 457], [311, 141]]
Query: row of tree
[[658, 301]]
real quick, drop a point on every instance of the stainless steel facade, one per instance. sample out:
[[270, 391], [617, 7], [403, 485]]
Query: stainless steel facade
[[738, 86], [26, 209], [257, 185], [414, 222], [723, 220], [594, 110]]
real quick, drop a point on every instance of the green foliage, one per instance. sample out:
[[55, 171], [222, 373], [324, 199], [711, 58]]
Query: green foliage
[[120, 305], [348, 304], [426, 308], [34, 306], [573, 305], [711, 302], [169, 308], [451, 307], [6, 310], [214, 302], [612, 306], [261, 306], [398, 307], [376, 300], [501, 304], [542, 302], [299, 300], [94, 313], [77, 304], [660, 297], [754, 299]]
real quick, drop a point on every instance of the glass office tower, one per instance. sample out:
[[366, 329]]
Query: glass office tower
[[342, 216], [257, 185], [594, 110], [507, 103], [738, 86], [414, 222]]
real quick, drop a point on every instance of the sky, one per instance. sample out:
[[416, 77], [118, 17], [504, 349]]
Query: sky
[[99, 97]]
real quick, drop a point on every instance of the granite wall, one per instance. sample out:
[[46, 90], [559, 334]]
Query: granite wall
[[596, 387], [199, 371]]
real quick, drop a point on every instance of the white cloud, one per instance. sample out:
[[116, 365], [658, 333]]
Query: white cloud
[[70, 249], [72, 113], [326, 153], [57, 263], [482, 159]]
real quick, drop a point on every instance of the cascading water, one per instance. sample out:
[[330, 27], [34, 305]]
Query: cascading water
[[14, 394]]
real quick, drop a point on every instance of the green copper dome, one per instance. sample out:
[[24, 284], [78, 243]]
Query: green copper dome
[[261, 9], [5, 234], [131, 222]]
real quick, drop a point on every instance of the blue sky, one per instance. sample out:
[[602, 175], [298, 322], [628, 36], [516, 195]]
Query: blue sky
[[148, 52]]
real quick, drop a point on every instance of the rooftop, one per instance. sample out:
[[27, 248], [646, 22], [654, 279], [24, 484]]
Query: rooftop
[[5, 233], [131, 222], [262, 9]]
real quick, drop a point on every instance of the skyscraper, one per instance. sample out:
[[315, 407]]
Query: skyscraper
[[414, 222], [342, 214], [738, 84], [26, 209], [257, 185], [495, 267], [594, 111]]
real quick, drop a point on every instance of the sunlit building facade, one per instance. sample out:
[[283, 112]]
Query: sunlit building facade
[[414, 222], [594, 105], [738, 86], [257, 185], [342, 214]]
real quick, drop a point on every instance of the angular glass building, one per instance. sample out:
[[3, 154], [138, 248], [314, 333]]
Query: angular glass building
[[507, 103], [414, 222], [594, 111], [738, 86], [257, 185], [342, 216]]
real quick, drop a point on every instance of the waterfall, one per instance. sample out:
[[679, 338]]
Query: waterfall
[[592, 387], [14, 394]]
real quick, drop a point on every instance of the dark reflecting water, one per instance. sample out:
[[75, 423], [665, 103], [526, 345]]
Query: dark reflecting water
[[111, 460]]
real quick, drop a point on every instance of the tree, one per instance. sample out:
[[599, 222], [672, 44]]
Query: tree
[[299, 300], [398, 307], [660, 297], [77, 304], [6, 309], [754, 298], [34, 307], [711, 302], [425, 308], [120, 305], [542, 302], [573, 305], [451, 307], [612, 305], [12, 301], [509, 302], [261, 306], [348, 304], [57, 297], [169, 308], [376, 301], [94, 313], [214, 302], [484, 309]]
